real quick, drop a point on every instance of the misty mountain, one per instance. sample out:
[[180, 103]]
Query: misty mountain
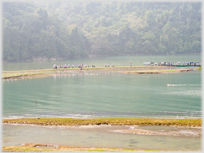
[[63, 30]]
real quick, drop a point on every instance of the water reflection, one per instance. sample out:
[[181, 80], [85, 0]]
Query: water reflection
[[80, 74]]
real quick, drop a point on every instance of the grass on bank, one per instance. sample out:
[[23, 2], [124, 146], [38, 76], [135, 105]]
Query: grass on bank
[[107, 121]]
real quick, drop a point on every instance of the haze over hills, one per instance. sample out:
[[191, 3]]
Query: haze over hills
[[35, 30]]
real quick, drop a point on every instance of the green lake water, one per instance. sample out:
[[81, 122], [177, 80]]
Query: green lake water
[[105, 94], [102, 95]]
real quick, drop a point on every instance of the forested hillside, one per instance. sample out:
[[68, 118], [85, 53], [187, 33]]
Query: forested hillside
[[63, 30]]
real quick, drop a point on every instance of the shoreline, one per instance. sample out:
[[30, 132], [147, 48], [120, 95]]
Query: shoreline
[[107, 121], [23, 74], [50, 147]]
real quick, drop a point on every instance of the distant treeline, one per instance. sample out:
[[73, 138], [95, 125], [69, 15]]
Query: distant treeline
[[64, 30]]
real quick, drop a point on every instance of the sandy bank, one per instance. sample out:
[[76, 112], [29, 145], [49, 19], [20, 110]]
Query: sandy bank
[[56, 148], [25, 76], [106, 121], [61, 148], [126, 69]]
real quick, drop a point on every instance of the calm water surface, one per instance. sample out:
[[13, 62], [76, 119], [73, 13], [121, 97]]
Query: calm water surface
[[105, 94], [98, 95]]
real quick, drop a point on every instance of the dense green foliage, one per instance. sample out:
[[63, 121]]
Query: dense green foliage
[[79, 29]]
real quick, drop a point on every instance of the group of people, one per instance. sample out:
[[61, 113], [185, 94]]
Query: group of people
[[55, 66], [107, 65], [77, 66]]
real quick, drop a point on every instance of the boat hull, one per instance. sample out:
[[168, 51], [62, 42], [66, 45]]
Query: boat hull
[[186, 65]]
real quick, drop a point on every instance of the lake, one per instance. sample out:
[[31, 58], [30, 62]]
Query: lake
[[98, 94], [105, 94]]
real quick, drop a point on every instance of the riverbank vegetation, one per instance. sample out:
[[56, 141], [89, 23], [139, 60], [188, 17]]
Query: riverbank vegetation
[[63, 30], [106, 121]]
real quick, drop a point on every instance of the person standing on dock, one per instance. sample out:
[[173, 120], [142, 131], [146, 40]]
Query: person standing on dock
[[130, 64]]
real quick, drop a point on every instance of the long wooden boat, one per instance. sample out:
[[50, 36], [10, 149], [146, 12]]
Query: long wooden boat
[[187, 64]]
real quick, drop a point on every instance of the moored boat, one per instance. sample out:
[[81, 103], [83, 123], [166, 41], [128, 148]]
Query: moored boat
[[187, 64], [148, 63]]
